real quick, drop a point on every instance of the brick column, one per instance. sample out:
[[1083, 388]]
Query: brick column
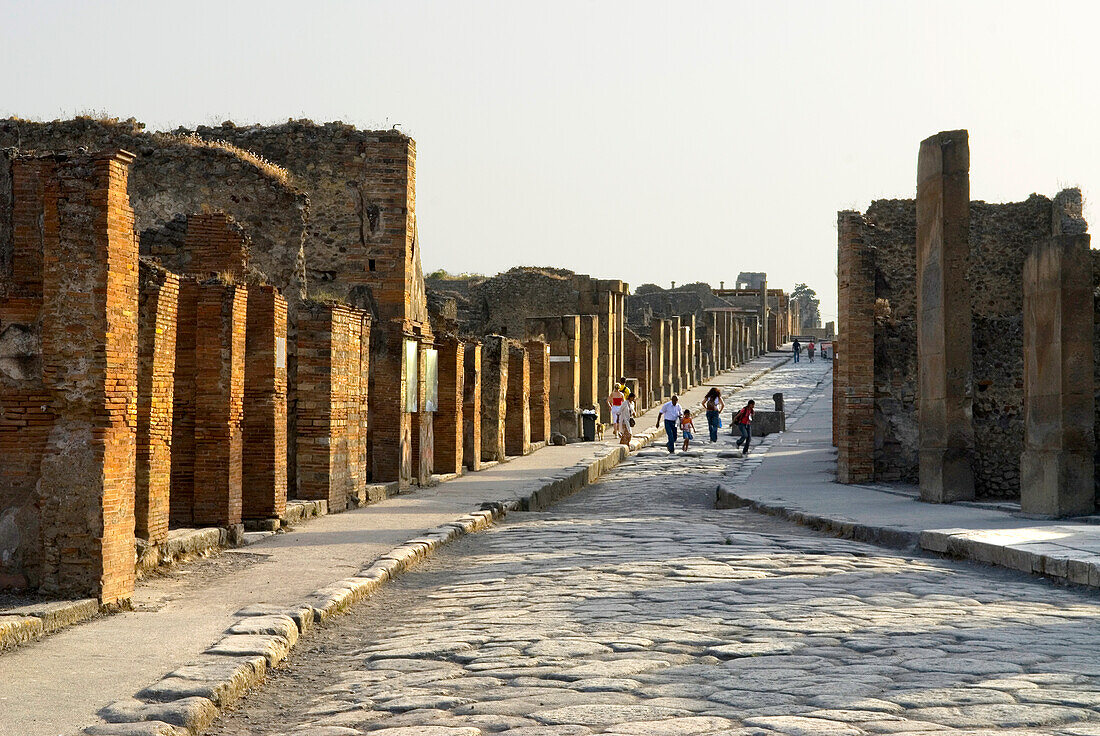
[[330, 400], [676, 355], [265, 421], [943, 319], [494, 391], [538, 356], [181, 502], [657, 358], [517, 420], [762, 320], [1056, 467], [589, 362], [448, 414], [471, 405], [89, 277], [391, 425], [157, 308], [220, 323], [856, 379]]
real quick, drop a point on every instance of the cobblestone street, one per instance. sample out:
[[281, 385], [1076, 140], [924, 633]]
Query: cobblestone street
[[635, 607]]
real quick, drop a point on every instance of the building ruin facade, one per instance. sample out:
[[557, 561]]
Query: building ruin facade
[[198, 327]]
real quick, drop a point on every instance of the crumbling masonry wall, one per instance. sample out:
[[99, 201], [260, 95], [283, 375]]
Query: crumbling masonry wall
[[999, 238]]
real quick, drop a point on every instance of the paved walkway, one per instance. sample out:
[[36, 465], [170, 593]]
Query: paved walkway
[[58, 684], [634, 607], [797, 481]]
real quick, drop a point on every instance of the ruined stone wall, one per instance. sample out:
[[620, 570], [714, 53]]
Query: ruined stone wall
[[1000, 235], [891, 233], [174, 176]]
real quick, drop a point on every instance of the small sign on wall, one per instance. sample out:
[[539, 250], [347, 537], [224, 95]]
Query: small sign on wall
[[411, 375], [280, 352], [431, 380]]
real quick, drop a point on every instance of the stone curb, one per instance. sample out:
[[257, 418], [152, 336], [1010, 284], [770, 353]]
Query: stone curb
[[187, 700], [27, 623]]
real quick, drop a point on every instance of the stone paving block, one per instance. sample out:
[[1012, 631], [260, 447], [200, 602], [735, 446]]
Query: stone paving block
[[194, 714], [222, 680], [277, 624], [145, 728], [273, 648]]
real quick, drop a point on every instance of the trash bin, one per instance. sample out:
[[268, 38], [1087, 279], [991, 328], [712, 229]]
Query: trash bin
[[588, 425]]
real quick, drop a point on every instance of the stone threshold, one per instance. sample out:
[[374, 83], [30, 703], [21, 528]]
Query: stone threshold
[[189, 699]]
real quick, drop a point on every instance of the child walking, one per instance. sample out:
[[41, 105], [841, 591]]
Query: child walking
[[688, 428]]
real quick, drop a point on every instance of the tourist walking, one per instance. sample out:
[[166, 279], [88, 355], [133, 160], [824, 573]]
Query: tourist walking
[[810, 350], [687, 426], [743, 423], [615, 402], [670, 413], [796, 349], [626, 416], [713, 405]]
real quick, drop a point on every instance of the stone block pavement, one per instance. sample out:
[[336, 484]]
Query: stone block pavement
[[794, 477], [202, 635]]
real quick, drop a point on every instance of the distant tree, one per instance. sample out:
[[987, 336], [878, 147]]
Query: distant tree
[[809, 305]]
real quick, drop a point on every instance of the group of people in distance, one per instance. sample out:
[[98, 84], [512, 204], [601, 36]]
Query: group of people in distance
[[677, 418], [811, 349]]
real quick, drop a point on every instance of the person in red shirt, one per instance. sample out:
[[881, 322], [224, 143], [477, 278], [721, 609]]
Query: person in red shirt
[[743, 421]]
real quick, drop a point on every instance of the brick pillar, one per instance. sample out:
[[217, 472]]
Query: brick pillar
[[471, 405], [220, 324], [157, 314], [686, 358], [494, 394], [762, 320], [564, 337], [943, 319], [538, 356], [264, 426], [330, 399], [1056, 467], [89, 287], [448, 413], [215, 244], [855, 412], [181, 502], [657, 359], [676, 355], [517, 420], [589, 362]]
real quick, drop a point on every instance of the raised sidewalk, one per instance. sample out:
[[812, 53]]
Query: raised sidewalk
[[795, 480], [199, 638]]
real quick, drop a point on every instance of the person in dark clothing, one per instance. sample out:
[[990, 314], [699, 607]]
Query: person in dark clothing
[[797, 350]]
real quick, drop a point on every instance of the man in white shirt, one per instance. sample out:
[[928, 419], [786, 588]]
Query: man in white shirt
[[670, 412]]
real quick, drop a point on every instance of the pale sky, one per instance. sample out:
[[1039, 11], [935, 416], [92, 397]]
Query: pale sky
[[645, 141]]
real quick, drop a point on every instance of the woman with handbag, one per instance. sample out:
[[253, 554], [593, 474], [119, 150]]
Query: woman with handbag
[[626, 419]]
